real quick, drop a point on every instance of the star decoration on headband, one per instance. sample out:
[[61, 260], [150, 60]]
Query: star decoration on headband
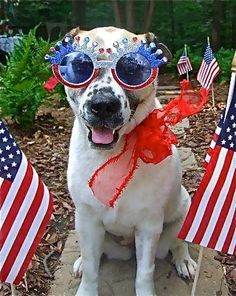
[[147, 51], [121, 48]]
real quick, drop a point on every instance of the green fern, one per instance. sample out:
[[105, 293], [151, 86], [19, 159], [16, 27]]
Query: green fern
[[21, 82]]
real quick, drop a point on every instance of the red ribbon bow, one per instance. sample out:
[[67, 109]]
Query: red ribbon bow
[[150, 141], [50, 84]]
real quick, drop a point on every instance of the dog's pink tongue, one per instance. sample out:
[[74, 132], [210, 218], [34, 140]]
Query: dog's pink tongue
[[102, 135]]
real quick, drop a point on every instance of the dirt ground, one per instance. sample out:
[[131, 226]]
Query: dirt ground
[[46, 145]]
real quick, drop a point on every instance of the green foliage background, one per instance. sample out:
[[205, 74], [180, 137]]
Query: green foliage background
[[175, 22], [191, 20], [21, 81]]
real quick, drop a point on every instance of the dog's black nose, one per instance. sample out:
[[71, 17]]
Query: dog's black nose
[[104, 107]]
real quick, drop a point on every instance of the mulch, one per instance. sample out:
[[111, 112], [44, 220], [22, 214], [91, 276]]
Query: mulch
[[46, 144]]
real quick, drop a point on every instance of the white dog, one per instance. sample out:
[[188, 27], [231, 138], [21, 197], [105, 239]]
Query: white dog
[[152, 207]]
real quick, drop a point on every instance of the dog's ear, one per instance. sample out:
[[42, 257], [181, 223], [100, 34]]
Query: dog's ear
[[73, 32], [150, 37]]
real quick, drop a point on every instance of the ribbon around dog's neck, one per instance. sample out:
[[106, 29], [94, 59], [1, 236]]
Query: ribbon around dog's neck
[[150, 141]]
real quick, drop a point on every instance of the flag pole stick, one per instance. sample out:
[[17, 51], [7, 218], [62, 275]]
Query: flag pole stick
[[234, 63], [13, 290], [185, 50], [199, 262], [213, 95], [212, 87]]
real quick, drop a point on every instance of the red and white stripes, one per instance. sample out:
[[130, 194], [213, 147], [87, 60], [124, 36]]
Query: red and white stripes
[[184, 65], [207, 73], [25, 209], [211, 221]]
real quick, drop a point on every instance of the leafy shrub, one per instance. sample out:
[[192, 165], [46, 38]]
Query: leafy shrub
[[224, 58], [21, 83]]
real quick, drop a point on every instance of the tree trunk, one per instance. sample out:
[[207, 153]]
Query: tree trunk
[[172, 24], [117, 15], [217, 11], [148, 15], [2, 10], [225, 37], [233, 32], [130, 15], [78, 13]]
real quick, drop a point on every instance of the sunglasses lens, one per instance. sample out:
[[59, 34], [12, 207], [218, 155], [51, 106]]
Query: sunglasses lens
[[76, 67], [133, 69]]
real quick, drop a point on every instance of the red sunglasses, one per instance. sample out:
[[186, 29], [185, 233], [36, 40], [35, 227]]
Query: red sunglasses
[[133, 65]]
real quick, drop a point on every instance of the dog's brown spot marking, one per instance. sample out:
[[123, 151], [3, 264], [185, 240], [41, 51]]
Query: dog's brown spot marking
[[150, 37], [73, 32]]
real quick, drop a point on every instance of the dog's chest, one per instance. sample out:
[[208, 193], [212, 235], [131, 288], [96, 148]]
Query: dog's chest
[[144, 198]]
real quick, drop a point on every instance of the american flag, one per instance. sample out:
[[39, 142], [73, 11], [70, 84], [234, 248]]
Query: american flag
[[184, 64], [209, 69], [211, 220], [25, 209], [221, 122]]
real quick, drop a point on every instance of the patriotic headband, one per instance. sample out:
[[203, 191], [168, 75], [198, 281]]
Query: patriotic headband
[[133, 65]]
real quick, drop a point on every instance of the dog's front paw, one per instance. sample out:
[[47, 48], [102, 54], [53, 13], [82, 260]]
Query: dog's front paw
[[185, 265], [186, 268], [78, 268]]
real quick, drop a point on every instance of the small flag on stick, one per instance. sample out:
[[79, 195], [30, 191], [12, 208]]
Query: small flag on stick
[[184, 65], [211, 220], [25, 209], [209, 68]]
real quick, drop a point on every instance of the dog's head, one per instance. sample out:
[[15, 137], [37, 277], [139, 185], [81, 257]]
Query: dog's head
[[105, 108]]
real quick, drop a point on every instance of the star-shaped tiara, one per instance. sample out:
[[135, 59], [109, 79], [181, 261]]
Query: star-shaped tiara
[[125, 46]]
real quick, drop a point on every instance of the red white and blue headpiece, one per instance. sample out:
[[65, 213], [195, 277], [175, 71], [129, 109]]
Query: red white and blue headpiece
[[133, 65]]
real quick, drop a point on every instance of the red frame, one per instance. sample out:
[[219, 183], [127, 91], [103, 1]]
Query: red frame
[[151, 78], [57, 74]]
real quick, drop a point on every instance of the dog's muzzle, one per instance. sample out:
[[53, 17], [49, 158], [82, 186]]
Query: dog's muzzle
[[104, 119]]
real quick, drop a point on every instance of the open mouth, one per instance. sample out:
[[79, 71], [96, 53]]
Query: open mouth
[[103, 137]]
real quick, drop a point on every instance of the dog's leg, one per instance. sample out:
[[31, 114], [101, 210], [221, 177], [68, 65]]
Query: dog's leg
[[91, 237], [168, 237], [146, 240], [182, 260], [111, 249], [185, 265]]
